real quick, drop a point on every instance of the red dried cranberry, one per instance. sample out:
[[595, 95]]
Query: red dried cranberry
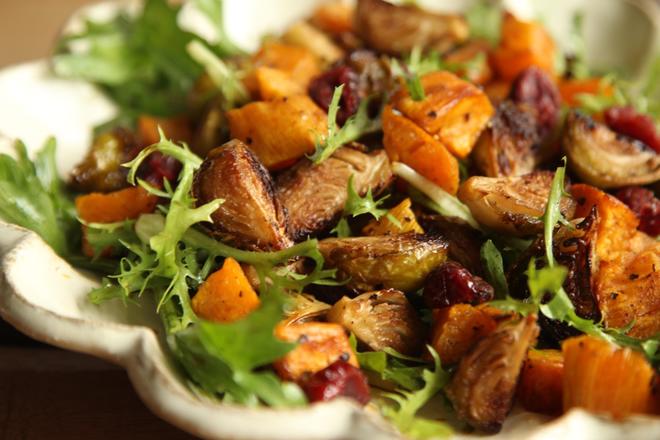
[[536, 89], [645, 206], [452, 284], [627, 121], [158, 167], [323, 86], [339, 379]]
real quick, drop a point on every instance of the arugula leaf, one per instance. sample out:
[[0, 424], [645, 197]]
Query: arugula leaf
[[355, 127], [494, 266], [552, 214], [410, 402], [485, 20], [356, 205], [225, 78], [32, 195], [440, 200]]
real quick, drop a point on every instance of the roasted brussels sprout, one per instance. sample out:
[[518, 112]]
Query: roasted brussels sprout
[[381, 319], [101, 170], [602, 158], [512, 205], [399, 262], [251, 216], [484, 384], [325, 184], [398, 29], [464, 241]]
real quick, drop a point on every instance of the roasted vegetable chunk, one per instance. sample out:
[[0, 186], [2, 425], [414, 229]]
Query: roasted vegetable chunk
[[541, 382], [399, 262], [398, 29], [116, 206], [512, 205], [298, 62], [484, 384], [250, 215], [453, 111], [325, 184], [380, 320], [274, 84], [319, 345], [602, 158], [226, 295], [279, 131], [604, 378], [451, 283], [407, 222]]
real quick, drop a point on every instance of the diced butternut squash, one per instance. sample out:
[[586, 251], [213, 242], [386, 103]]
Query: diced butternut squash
[[540, 387], [456, 329], [385, 226], [279, 131], [226, 295], [305, 35], [571, 89], [319, 345], [116, 206], [300, 63], [406, 142], [454, 111], [626, 280], [523, 44], [334, 17], [175, 128], [275, 84], [604, 378]]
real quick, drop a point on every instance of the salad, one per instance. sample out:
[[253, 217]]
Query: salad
[[382, 204]]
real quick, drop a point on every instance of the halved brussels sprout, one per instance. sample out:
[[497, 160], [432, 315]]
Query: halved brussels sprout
[[602, 158], [399, 262]]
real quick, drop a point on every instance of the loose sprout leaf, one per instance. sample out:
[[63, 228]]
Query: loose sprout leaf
[[485, 20], [223, 76], [355, 127], [442, 202], [32, 195], [408, 403], [491, 259]]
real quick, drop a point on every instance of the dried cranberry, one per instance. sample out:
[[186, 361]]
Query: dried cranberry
[[323, 86], [339, 379], [627, 121], [452, 284], [536, 89], [645, 206], [158, 167]]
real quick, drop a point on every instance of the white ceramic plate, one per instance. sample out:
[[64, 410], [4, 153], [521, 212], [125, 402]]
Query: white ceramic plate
[[45, 298]]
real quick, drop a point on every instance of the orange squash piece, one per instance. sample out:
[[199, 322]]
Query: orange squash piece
[[604, 378], [454, 111], [402, 213], [540, 387], [279, 131], [320, 344], [406, 142], [275, 83], [176, 128], [456, 329], [334, 17], [626, 280], [125, 204], [226, 295], [571, 89], [523, 44]]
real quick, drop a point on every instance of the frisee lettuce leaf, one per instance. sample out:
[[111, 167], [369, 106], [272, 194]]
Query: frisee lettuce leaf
[[408, 403], [355, 127], [32, 195]]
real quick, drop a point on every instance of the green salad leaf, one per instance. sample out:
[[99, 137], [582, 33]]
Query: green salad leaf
[[491, 258], [484, 18], [32, 195], [355, 127]]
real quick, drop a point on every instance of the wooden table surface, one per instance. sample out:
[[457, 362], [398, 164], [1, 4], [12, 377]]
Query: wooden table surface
[[47, 393]]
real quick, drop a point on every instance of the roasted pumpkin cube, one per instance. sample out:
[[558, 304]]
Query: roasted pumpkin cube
[[571, 89], [523, 44], [300, 63], [275, 83], [117, 206], [226, 295], [604, 378], [280, 131], [319, 345], [406, 142], [307, 36], [334, 17], [403, 214], [454, 111], [540, 387], [456, 329], [177, 128]]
